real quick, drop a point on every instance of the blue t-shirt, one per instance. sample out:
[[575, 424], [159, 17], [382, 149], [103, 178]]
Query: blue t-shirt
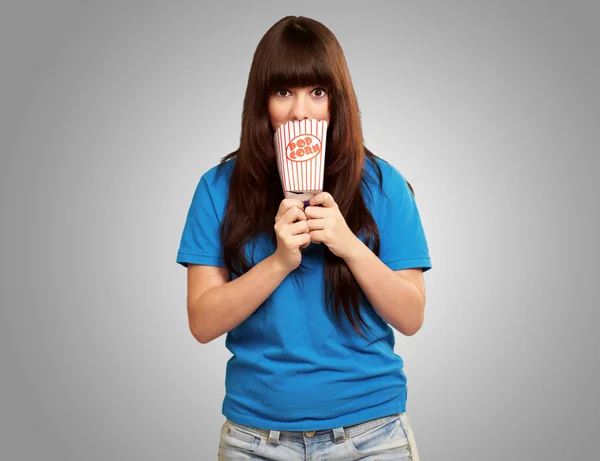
[[293, 367]]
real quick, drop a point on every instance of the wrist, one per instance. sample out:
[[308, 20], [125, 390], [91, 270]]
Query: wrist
[[354, 250], [279, 269]]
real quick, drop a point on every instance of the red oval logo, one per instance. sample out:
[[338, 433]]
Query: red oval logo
[[303, 148]]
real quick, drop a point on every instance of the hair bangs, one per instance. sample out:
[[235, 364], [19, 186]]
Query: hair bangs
[[297, 63]]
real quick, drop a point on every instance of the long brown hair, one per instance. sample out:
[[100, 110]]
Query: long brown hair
[[298, 52]]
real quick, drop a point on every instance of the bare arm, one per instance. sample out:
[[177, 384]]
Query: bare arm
[[217, 305], [397, 296]]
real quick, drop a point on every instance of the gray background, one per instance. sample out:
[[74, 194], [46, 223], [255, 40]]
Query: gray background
[[110, 113]]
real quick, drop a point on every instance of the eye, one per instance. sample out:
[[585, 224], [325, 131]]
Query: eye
[[281, 92], [319, 93]]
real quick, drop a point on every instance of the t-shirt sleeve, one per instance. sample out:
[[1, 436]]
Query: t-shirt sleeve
[[200, 239], [403, 242]]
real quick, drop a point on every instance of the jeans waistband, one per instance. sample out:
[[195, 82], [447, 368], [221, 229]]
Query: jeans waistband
[[322, 435]]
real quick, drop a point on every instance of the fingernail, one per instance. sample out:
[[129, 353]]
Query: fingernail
[[306, 203]]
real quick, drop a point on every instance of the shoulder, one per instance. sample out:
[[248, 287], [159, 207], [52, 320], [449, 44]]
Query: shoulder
[[389, 182], [218, 177], [212, 189]]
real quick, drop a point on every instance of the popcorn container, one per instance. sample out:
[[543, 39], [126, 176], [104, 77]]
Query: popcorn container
[[300, 148]]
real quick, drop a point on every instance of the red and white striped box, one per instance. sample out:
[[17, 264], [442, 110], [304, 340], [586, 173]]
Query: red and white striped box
[[300, 147]]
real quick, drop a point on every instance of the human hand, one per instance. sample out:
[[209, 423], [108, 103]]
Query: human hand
[[327, 225], [291, 230]]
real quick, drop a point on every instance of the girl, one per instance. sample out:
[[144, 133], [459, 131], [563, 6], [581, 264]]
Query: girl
[[307, 292]]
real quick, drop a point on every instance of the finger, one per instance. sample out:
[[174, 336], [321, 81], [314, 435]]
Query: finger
[[323, 198], [286, 204], [316, 224], [316, 212], [292, 215], [317, 236], [290, 202], [300, 227], [297, 241], [308, 241]]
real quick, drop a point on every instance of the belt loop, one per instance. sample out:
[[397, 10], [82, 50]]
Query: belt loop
[[338, 434], [274, 437]]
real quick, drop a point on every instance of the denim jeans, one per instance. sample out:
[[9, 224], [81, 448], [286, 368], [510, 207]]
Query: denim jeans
[[382, 439]]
